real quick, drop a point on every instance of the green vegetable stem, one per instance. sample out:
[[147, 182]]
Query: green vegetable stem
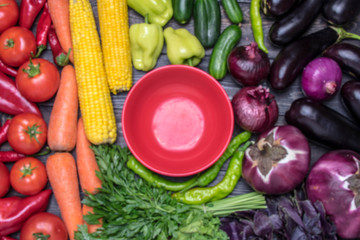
[[256, 24], [155, 179], [222, 189], [211, 173]]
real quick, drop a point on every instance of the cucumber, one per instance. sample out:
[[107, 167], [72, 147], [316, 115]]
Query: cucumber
[[233, 11], [226, 42], [207, 21], [183, 10]]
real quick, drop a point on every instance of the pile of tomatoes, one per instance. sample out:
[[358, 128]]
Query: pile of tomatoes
[[37, 79]]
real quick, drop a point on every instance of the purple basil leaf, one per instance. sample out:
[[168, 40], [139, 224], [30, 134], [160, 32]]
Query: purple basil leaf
[[298, 234], [232, 229], [276, 222], [308, 208], [262, 224]]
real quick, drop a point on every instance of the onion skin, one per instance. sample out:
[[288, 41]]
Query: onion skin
[[248, 65], [326, 183], [287, 173], [321, 79], [255, 109], [350, 94]]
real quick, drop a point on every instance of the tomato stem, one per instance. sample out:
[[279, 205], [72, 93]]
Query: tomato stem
[[9, 43], [4, 4], [33, 70], [41, 236], [27, 170], [32, 131]]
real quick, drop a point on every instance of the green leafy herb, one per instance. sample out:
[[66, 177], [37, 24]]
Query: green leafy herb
[[132, 208]]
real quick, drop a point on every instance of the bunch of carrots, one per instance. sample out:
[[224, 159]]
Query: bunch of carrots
[[66, 131]]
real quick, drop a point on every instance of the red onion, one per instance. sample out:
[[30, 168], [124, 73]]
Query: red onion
[[248, 64], [321, 78], [278, 161], [255, 109]]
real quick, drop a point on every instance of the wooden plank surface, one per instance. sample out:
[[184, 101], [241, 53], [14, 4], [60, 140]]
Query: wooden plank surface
[[284, 98]]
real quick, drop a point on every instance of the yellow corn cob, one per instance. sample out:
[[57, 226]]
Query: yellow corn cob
[[94, 94], [114, 31]]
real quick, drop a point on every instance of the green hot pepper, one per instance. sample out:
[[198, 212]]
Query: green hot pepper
[[155, 179], [146, 41], [222, 189], [256, 24], [159, 11], [201, 180], [182, 47], [211, 173]]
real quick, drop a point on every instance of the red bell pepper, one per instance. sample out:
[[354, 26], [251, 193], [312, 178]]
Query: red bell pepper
[[42, 30], [14, 211], [7, 69], [29, 9], [3, 131], [61, 58], [11, 100]]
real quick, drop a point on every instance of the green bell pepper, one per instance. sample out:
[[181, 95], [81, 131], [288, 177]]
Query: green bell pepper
[[146, 41], [159, 11], [182, 47]]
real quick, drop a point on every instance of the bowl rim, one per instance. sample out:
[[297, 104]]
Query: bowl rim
[[223, 94]]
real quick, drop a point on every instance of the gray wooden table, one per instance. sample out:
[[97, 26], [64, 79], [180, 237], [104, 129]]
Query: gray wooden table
[[284, 98]]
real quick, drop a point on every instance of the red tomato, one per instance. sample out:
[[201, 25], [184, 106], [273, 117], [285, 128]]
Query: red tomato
[[27, 133], [16, 45], [4, 180], [9, 14], [46, 224], [38, 80], [28, 176]]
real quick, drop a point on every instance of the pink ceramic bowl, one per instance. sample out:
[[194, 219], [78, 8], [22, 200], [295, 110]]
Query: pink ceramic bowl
[[177, 120]]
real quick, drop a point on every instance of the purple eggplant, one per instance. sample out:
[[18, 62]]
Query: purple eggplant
[[323, 124], [334, 180], [341, 12], [350, 94], [293, 24], [292, 59], [347, 56], [276, 8]]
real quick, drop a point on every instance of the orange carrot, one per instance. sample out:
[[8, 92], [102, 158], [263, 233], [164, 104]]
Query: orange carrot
[[64, 114], [59, 12], [61, 170], [91, 227], [86, 162]]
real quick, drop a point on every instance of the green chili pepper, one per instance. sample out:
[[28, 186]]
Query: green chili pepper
[[155, 179], [210, 174], [256, 24], [222, 189]]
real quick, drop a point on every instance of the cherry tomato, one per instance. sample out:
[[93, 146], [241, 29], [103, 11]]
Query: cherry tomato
[[9, 14], [16, 45], [4, 180], [44, 224], [28, 176], [27, 133], [38, 80]]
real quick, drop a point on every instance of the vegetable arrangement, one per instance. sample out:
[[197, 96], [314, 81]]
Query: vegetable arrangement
[[122, 198]]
